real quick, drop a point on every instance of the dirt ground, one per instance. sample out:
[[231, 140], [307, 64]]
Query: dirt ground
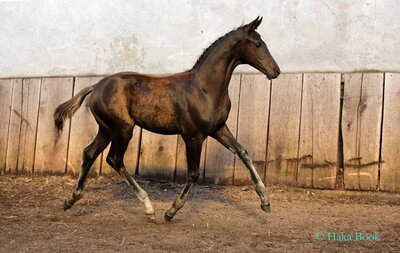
[[109, 218]]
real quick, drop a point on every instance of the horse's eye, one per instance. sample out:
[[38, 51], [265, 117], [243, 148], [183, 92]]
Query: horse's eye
[[258, 44]]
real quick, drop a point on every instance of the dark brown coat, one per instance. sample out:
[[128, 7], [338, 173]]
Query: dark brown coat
[[194, 104]]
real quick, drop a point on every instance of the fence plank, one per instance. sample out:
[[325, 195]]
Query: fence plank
[[6, 88], [253, 124], [319, 130], [51, 147], [220, 162], [181, 162], [15, 126], [27, 140], [83, 130], [350, 125], [23, 124], [390, 167], [283, 140], [130, 158], [157, 155], [361, 126]]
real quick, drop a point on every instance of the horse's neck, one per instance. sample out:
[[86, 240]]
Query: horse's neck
[[215, 72]]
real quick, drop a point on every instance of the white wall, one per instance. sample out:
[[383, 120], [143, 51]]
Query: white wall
[[65, 38]]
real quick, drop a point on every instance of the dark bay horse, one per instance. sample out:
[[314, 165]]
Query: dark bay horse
[[194, 104]]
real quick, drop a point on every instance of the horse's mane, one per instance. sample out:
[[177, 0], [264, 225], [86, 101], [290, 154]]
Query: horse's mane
[[208, 50]]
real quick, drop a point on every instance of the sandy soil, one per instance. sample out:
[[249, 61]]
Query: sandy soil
[[109, 218]]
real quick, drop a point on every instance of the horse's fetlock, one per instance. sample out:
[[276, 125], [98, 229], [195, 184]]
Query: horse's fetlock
[[260, 187], [178, 204], [77, 194], [142, 195]]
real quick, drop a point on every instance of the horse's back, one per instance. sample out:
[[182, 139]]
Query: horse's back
[[130, 98]]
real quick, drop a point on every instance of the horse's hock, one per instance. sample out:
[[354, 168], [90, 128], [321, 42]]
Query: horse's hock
[[311, 130]]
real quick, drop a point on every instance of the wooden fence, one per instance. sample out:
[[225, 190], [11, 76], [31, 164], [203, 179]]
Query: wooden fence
[[326, 130]]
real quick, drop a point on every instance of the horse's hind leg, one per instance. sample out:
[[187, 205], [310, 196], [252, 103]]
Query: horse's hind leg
[[116, 160], [90, 154]]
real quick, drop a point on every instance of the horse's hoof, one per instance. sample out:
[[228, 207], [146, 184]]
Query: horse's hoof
[[167, 217], [266, 207], [66, 206], [151, 216]]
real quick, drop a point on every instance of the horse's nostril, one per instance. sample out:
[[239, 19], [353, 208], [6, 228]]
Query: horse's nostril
[[278, 71]]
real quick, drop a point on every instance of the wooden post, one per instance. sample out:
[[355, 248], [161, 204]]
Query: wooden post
[[390, 167], [15, 127], [6, 91], [27, 140], [361, 127], [51, 146], [319, 131], [284, 125], [157, 155]]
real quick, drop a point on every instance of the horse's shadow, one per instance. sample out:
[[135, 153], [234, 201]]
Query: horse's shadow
[[164, 192]]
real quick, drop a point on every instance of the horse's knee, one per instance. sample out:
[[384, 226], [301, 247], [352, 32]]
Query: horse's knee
[[194, 176], [243, 154], [110, 160]]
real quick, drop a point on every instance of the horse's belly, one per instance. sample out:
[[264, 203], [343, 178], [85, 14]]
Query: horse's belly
[[156, 126], [155, 118]]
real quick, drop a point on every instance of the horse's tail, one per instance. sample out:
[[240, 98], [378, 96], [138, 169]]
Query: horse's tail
[[68, 108]]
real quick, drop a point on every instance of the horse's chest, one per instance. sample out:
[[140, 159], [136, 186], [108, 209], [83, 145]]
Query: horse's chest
[[221, 116]]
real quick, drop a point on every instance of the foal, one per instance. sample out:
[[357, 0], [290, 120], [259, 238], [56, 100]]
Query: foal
[[194, 104]]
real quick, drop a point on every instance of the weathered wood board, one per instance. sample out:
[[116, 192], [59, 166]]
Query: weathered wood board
[[181, 162], [27, 140], [252, 125], [284, 125], [361, 127], [6, 91], [319, 131], [51, 146], [302, 144], [157, 155], [390, 167], [15, 127], [131, 157], [19, 156], [83, 130], [220, 162]]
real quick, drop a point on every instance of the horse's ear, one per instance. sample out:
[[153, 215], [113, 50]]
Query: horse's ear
[[258, 23], [254, 24]]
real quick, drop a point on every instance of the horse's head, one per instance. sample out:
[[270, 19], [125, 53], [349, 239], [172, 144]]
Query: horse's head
[[254, 51]]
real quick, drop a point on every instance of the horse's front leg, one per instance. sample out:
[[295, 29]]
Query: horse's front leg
[[225, 137], [193, 152]]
